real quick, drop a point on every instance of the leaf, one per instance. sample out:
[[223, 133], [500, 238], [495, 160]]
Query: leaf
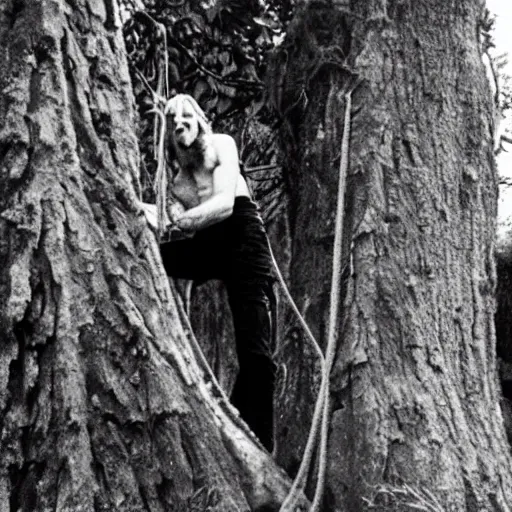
[[211, 103], [224, 58], [226, 41], [200, 89], [174, 73], [227, 90], [212, 83], [198, 24], [255, 106], [249, 71], [228, 70], [174, 53], [212, 12], [268, 22], [264, 38], [209, 60], [223, 105]]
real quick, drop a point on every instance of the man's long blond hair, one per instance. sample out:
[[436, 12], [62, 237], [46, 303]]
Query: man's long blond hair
[[176, 104]]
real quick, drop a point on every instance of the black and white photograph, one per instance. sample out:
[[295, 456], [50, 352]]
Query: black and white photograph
[[255, 256]]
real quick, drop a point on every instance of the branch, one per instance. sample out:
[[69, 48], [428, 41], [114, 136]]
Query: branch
[[239, 81], [157, 98], [235, 82], [258, 168]]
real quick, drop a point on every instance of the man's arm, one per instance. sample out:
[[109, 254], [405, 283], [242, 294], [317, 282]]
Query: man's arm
[[225, 178]]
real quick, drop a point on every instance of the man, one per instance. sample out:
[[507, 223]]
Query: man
[[228, 242]]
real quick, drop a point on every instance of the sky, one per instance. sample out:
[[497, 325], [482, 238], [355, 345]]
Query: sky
[[503, 40], [503, 11]]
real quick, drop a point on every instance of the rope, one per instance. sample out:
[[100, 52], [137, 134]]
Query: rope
[[320, 419], [335, 301], [300, 480], [161, 176]]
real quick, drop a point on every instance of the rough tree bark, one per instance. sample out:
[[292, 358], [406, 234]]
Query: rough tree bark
[[414, 389], [104, 403]]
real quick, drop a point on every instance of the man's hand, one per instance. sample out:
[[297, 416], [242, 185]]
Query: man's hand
[[185, 224], [181, 226], [176, 210], [180, 220]]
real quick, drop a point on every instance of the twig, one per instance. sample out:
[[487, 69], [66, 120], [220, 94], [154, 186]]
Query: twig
[[235, 82], [155, 96], [259, 168]]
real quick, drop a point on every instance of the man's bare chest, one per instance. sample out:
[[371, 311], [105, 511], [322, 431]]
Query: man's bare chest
[[193, 183]]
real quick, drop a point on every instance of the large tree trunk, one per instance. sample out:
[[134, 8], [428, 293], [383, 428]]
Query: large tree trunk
[[414, 388], [105, 403]]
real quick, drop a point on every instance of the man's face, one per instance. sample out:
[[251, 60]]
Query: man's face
[[184, 124]]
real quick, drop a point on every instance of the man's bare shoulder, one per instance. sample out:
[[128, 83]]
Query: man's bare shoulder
[[223, 141]]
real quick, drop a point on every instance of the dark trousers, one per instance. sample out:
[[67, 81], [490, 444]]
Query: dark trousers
[[236, 251]]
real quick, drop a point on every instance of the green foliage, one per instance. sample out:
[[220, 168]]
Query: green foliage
[[487, 25], [501, 63], [214, 50], [498, 62], [216, 53]]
